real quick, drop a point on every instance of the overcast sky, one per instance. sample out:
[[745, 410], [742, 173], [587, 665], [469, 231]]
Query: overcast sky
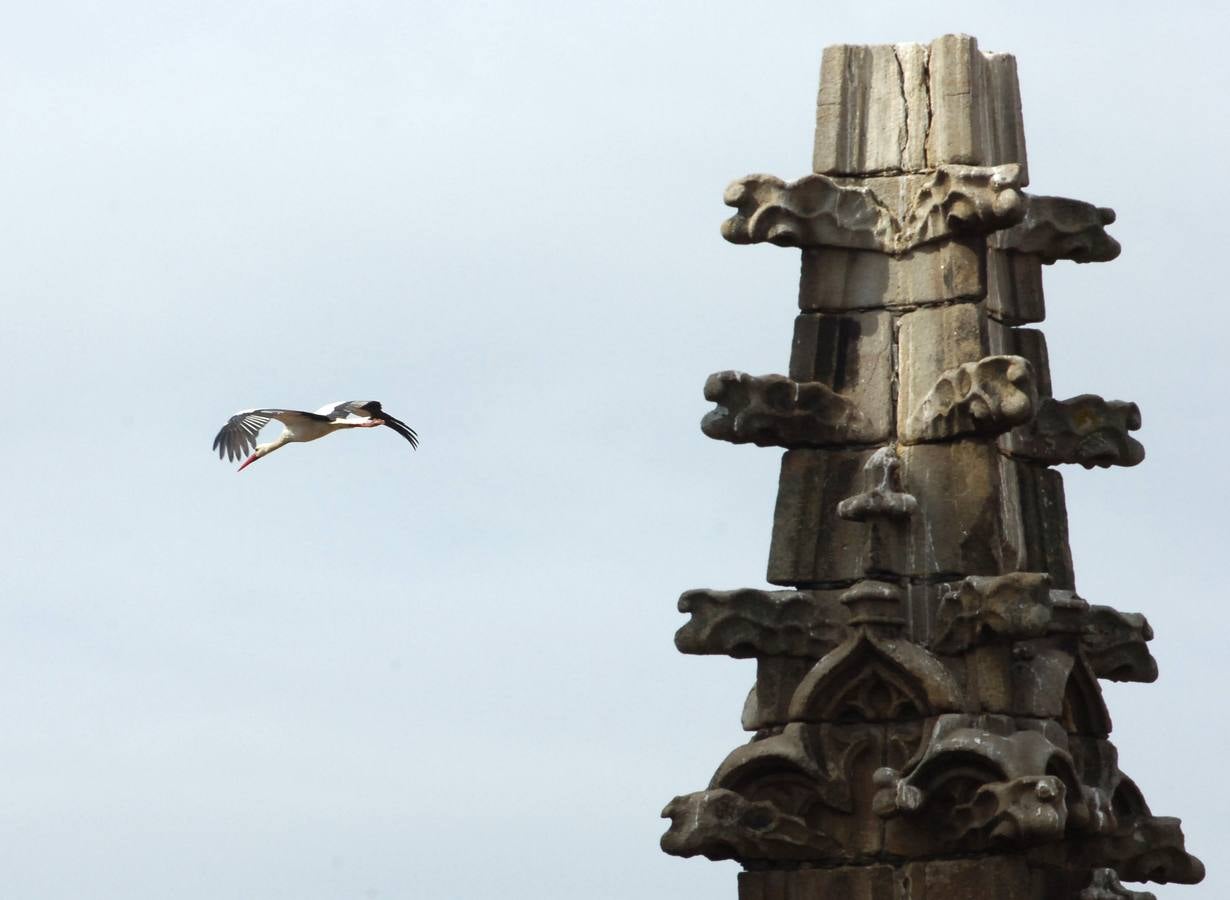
[[355, 671]]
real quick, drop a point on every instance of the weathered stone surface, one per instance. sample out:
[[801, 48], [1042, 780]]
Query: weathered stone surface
[[1016, 786], [818, 211], [768, 702], [1151, 849], [884, 89], [836, 280], [1058, 228], [773, 410], [1029, 343], [1043, 518], [875, 882], [1001, 607], [720, 824], [1104, 885], [882, 497], [969, 519], [1084, 429], [1014, 287], [748, 622], [908, 107], [989, 396], [875, 679], [976, 106], [931, 343], [853, 356], [1114, 644], [812, 545]]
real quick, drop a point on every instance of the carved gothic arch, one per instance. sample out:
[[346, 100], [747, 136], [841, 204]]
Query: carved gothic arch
[[873, 679]]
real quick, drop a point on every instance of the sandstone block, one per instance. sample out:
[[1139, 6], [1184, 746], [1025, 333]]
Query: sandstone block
[[853, 356], [1014, 287], [811, 543], [840, 280]]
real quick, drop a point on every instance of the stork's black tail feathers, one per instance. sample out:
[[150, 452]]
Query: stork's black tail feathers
[[373, 410]]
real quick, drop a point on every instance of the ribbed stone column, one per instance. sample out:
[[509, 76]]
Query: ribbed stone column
[[926, 721]]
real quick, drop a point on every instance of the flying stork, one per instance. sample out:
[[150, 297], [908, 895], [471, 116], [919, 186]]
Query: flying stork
[[238, 435]]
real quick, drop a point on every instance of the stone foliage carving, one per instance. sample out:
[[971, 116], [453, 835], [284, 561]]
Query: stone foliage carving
[[775, 411], [1085, 429], [818, 211], [1152, 849], [1058, 228], [1012, 607], [721, 824], [1114, 644], [990, 396], [997, 783], [749, 622]]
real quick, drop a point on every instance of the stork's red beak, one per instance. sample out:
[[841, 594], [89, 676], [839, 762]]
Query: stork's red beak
[[247, 462]]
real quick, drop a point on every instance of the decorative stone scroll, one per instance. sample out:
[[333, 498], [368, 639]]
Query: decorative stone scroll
[[818, 211]]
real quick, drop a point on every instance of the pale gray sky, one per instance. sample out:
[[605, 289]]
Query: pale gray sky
[[354, 671]]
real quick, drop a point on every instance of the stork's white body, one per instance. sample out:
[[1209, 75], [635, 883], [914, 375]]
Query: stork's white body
[[239, 433]]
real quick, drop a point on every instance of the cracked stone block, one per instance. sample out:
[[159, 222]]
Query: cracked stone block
[[812, 544], [853, 356], [864, 83], [1014, 287], [976, 106], [907, 107], [968, 521], [839, 280]]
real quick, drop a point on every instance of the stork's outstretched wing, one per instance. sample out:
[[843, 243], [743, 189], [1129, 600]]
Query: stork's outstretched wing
[[370, 409], [238, 436]]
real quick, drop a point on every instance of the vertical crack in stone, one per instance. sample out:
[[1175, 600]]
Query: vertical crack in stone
[[903, 133]]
